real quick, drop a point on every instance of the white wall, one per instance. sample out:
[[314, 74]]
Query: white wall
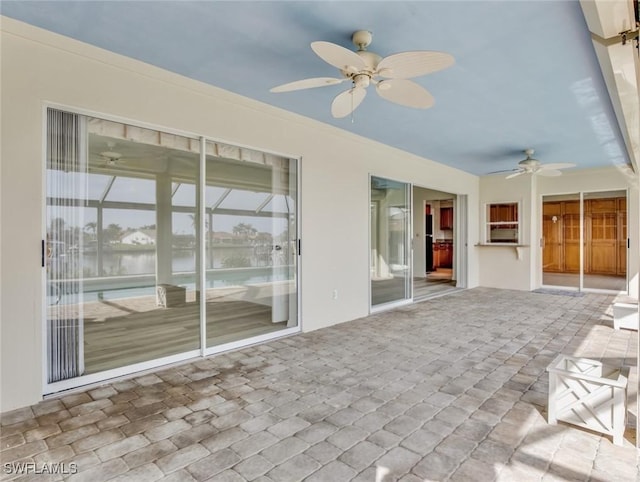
[[499, 267], [39, 67], [505, 266]]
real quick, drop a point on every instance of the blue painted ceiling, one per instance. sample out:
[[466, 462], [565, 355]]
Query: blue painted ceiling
[[525, 74]]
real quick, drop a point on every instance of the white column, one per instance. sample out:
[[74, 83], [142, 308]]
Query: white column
[[163, 230]]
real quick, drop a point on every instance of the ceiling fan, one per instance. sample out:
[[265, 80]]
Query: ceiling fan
[[110, 158], [389, 74], [534, 166]]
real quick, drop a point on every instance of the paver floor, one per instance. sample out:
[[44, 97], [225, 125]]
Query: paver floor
[[453, 388]]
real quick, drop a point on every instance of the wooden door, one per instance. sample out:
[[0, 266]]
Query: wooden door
[[622, 237], [552, 246], [605, 236], [571, 235], [552, 251], [603, 241]]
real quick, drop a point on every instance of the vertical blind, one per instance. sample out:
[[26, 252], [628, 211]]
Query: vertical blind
[[65, 185]]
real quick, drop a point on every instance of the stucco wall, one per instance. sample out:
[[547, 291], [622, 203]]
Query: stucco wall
[[499, 267], [39, 67], [504, 266]]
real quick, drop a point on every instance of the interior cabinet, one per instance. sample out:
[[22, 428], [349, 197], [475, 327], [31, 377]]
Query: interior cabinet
[[507, 212], [446, 218], [443, 255], [436, 256], [447, 256]]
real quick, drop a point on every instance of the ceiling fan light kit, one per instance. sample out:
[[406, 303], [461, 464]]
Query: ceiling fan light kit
[[389, 74]]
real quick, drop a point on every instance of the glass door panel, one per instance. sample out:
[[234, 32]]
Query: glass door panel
[[390, 249], [561, 240], [251, 244], [120, 271], [605, 263]]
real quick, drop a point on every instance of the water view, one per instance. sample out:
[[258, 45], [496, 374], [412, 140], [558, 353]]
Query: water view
[[131, 273]]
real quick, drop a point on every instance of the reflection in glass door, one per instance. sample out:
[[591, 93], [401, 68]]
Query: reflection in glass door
[[147, 263], [120, 246], [585, 241], [561, 240], [605, 240], [390, 249], [251, 244]]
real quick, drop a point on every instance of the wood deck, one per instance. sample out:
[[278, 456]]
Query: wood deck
[[133, 330]]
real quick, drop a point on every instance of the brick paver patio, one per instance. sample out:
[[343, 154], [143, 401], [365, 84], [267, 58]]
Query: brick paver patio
[[453, 388]]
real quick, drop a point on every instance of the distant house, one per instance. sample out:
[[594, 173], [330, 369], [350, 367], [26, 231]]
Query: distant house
[[220, 237], [140, 237], [263, 237]]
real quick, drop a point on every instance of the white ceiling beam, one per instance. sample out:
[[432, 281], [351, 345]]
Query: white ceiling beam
[[620, 65]]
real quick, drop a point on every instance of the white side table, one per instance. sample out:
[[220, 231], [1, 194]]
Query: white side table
[[589, 394], [625, 315]]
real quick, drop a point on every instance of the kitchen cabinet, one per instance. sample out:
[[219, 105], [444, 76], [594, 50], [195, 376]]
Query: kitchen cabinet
[[446, 218], [443, 254], [446, 260], [507, 212]]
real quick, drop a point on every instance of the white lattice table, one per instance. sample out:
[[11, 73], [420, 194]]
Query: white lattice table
[[589, 394]]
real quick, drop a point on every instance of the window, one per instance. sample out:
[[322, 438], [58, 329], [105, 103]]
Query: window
[[502, 224]]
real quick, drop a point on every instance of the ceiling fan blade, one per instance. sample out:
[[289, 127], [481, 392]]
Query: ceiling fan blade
[[343, 59], [307, 84], [413, 64], [515, 174], [548, 172], [499, 172], [405, 92], [557, 165], [346, 102]]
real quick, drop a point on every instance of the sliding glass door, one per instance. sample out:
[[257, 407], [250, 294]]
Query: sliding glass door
[[605, 240], [143, 256], [251, 233], [585, 241], [561, 240], [390, 226], [120, 246]]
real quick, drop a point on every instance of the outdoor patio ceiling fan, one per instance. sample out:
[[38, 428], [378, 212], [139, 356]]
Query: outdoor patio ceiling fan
[[110, 158], [390, 75], [534, 166]]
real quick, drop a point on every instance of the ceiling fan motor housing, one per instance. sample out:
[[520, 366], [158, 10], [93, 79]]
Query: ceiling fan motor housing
[[370, 60], [362, 39], [529, 164]]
